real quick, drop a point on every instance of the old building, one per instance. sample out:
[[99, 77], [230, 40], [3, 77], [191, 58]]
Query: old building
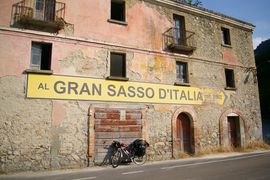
[[75, 75]]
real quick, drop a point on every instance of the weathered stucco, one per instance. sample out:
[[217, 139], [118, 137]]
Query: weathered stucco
[[25, 128], [38, 134]]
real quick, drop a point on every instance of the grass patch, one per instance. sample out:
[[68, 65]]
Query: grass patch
[[257, 145], [253, 146], [2, 172], [214, 150], [183, 156]]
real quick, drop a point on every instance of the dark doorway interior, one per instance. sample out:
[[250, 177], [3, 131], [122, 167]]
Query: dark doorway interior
[[234, 131]]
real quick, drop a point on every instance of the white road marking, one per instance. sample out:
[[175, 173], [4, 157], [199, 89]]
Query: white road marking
[[132, 172], [85, 178], [210, 162]]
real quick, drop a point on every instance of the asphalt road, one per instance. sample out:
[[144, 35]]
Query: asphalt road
[[254, 166]]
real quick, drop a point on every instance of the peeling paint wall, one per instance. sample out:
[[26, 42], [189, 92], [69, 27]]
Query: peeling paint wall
[[53, 134]]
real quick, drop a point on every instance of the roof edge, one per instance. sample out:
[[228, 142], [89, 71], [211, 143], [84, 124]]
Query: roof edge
[[206, 12]]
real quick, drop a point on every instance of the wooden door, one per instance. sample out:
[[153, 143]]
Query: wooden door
[[184, 129], [49, 12], [124, 125]]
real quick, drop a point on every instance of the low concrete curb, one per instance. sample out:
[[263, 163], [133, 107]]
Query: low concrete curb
[[30, 174]]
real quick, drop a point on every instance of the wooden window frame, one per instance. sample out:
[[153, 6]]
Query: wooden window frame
[[185, 81], [45, 56]]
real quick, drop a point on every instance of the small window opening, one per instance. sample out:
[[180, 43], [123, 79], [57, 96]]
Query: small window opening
[[226, 36], [229, 78], [41, 56], [118, 65], [181, 72], [118, 10]]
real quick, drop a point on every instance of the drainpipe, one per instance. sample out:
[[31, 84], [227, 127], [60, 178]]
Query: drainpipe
[[89, 153]]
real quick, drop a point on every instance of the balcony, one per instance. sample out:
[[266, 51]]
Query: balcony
[[43, 15], [179, 41]]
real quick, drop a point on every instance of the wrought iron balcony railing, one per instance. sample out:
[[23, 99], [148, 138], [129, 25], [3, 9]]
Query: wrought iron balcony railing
[[180, 41], [39, 14]]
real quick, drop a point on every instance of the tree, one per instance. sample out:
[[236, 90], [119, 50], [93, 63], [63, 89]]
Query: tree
[[191, 2]]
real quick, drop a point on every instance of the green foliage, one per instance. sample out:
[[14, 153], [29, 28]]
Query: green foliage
[[191, 2]]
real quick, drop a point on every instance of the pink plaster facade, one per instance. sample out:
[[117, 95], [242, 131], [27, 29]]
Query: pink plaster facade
[[142, 31]]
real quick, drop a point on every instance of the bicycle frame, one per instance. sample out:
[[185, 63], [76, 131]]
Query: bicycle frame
[[128, 153]]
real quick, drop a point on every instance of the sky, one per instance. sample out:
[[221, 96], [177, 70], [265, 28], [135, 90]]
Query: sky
[[252, 11]]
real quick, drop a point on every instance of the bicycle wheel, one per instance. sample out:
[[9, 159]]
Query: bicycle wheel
[[140, 160], [116, 158]]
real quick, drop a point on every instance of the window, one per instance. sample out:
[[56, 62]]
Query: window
[[41, 56], [226, 36], [39, 5], [45, 10], [118, 65], [179, 30], [181, 72], [229, 75], [118, 10]]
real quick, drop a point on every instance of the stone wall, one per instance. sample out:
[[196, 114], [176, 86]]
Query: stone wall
[[25, 128]]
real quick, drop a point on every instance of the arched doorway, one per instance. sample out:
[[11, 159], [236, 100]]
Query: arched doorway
[[232, 129], [188, 113], [185, 133]]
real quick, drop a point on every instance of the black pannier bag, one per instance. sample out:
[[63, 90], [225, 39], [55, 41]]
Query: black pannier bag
[[116, 144], [140, 147]]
